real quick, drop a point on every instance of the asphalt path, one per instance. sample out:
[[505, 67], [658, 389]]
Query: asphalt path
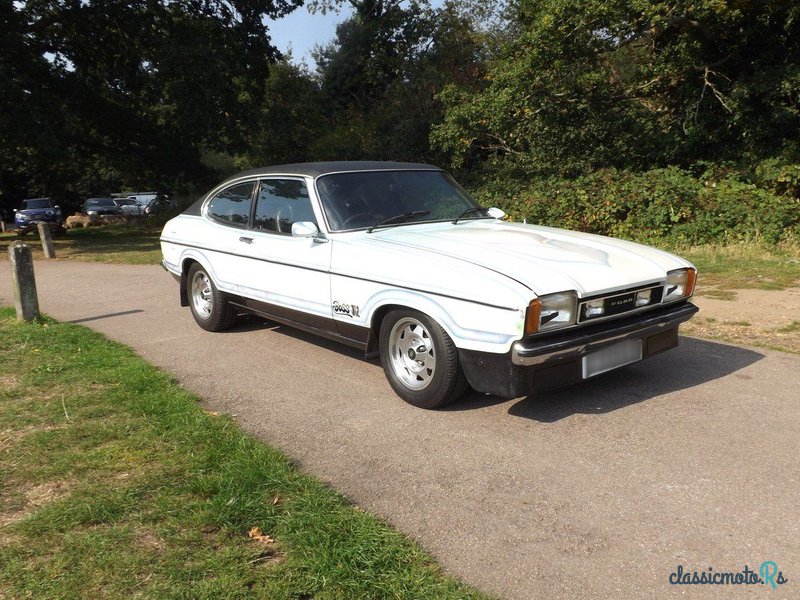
[[596, 491]]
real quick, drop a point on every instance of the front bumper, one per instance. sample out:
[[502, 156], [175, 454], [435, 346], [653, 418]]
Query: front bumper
[[554, 360], [30, 225], [578, 343]]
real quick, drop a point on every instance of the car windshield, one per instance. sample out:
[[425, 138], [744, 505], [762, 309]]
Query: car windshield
[[362, 199], [36, 204], [100, 202]]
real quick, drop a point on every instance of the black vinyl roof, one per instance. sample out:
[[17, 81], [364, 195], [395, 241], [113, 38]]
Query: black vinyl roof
[[315, 169]]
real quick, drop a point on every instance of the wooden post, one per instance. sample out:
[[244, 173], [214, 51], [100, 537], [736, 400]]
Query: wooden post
[[47, 240], [2, 226], [25, 299]]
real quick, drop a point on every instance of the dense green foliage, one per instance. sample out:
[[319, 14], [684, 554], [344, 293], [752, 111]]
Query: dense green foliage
[[683, 116], [633, 84], [668, 204], [101, 95]]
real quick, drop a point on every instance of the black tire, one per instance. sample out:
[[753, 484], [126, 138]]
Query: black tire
[[410, 343], [210, 308]]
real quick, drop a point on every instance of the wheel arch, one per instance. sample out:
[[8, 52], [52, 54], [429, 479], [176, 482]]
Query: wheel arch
[[375, 326], [187, 260], [469, 325], [405, 301]]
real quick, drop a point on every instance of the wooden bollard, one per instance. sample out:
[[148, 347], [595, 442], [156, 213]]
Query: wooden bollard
[[2, 226], [25, 299], [46, 235]]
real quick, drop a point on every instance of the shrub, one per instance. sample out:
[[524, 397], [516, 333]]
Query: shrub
[[668, 204]]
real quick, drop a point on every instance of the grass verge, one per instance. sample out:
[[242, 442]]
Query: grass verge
[[135, 245], [746, 265], [115, 483]]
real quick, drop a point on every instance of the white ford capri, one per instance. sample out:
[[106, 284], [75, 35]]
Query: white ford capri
[[397, 260]]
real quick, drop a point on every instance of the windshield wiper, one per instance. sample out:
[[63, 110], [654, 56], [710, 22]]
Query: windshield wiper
[[400, 218], [469, 211]]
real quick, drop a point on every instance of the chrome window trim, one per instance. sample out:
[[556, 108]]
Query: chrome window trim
[[433, 170], [221, 188], [310, 186], [271, 177]]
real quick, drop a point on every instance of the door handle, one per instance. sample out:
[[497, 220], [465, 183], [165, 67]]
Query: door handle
[[246, 240]]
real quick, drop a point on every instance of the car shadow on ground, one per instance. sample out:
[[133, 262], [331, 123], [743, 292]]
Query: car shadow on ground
[[692, 363], [249, 322]]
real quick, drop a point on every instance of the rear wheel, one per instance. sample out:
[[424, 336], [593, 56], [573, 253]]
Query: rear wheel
[[210, 309], [420, 360]]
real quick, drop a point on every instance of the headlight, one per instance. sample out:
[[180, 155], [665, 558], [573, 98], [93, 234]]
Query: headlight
[[680, 284], [50, 213], [551, 312], [22, 216]]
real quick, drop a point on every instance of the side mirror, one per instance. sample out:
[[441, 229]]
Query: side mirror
[[495, 213], [304, 229]]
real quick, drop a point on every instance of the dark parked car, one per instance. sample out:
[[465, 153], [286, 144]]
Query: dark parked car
[[160, 204], [101, 206], [38, 210]]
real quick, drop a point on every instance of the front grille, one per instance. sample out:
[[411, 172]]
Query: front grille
[[618, 303]]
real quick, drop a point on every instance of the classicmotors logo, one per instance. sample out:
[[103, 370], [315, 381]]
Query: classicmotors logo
[[768, 574]]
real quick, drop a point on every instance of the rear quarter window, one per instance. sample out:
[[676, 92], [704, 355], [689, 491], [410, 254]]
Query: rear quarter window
[[232, 205]]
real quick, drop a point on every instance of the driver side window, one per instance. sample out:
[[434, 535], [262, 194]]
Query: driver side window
[[280, 203]]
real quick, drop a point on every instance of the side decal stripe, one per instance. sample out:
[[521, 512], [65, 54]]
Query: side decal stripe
[[285, 264]]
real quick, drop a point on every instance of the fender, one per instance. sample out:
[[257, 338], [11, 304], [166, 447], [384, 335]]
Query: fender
[[187, 255], [478, 328]]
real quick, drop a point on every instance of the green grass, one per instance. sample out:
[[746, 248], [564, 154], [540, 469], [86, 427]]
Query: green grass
[[115, 483], [744, 265], [136, 245], [792, 327]]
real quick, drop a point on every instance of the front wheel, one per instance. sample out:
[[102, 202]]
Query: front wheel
[[210, 309], [420, 360]]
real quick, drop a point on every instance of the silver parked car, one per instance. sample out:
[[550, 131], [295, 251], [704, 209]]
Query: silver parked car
[[129, 207]]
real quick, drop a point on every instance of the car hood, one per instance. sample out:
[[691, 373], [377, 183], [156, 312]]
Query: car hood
[[544, 259]]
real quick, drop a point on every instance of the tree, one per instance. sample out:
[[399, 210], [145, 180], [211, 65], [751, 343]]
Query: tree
[[381, 76], [129, 93], [291, 118], [630, 83]]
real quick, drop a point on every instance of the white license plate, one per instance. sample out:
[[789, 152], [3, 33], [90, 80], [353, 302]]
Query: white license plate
[[616, 355]]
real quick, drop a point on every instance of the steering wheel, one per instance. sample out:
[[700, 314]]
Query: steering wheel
[[354, 217]]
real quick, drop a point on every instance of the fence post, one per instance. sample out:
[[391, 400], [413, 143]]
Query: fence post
[[47, 240], [2, 226], [25, 299]]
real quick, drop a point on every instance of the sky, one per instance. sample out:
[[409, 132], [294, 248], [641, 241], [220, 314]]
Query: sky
[[300, 31]]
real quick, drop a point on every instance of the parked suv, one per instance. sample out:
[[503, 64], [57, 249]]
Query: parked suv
[[38, 210]]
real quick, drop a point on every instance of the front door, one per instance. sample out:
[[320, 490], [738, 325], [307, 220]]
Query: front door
[[287, 276]]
